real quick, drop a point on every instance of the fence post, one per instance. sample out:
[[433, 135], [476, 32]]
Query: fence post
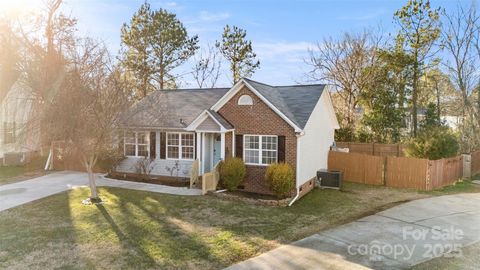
[[467, 166]]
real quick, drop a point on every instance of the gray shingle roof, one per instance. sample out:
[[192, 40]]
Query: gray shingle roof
[[296, 102], [178, 108], [171, 108]]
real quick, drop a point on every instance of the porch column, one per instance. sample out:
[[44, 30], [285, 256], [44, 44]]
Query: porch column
[[157, 144], [202, 168], [199, 151], [222, 146]]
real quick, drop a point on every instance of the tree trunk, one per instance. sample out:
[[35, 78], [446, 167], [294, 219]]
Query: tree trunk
[[415, 98], [91, 181]]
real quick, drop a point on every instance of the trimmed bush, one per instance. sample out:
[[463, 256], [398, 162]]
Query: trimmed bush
[[280, 178], [232, 172], [433, 143]]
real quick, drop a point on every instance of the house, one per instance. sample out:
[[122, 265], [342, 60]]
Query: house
[[18, 130], [259, 123]]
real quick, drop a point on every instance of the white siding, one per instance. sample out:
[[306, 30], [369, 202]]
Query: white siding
[[159, 167], [208, 125], [17, 107], [313, 146]]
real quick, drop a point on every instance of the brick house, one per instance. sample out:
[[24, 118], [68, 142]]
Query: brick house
[[259, 123]]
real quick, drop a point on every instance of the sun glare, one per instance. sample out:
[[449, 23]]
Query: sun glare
[[14, 7]]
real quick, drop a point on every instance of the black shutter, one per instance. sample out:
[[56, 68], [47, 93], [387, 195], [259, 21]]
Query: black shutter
[[163, 144], [239, 146], [195, 148], [153, 140], [281, 149]]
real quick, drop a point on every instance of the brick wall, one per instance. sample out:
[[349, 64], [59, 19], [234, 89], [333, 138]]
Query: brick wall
[[258, 119]]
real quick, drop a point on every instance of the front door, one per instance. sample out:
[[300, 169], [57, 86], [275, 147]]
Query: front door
[[216, 149]]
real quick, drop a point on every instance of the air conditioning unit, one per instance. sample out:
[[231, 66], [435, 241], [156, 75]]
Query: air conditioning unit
[[329, 179]]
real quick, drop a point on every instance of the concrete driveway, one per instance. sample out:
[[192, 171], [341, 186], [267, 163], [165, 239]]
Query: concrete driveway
[[397, 238], [19, 193]]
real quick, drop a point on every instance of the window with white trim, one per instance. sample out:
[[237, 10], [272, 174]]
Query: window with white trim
[[245, 100], [260, 149], [136, 144], [180, 146]]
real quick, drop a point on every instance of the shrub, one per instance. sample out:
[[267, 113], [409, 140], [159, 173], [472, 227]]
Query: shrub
[[280, 177], [109, 159], [232, 172], [433, 143]]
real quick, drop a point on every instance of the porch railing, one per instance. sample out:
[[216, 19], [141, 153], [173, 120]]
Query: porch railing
[[210, 180]]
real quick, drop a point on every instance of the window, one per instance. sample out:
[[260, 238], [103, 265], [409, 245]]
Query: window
[[260, 150], [137, 144], [8, 132], [180, 146], [245, 100]]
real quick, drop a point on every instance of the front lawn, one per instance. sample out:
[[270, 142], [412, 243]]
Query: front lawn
[[8, 173], [12, 174], [135, 229]]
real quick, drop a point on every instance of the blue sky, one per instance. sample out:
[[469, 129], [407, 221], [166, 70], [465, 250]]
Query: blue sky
[[281, 31]]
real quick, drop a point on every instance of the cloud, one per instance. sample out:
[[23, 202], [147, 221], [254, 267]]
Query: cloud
[[287, 50], [206, 16], [365, 16]]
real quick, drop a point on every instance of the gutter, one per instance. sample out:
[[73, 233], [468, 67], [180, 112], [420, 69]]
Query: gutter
[[295, 198]]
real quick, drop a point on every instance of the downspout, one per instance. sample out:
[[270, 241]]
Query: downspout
[[298, 154], [294, 198]]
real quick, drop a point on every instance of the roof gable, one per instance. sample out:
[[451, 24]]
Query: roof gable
[[293, 103]]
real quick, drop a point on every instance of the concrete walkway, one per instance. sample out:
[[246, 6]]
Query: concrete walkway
[[397, 238], [19, 193]]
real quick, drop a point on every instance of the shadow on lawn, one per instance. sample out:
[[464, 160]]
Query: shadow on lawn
[[127, 244], [152, 226]]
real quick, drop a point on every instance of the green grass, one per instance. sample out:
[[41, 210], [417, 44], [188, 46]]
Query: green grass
[[7, 173], [135, 229], [12, 174], [464, 186]]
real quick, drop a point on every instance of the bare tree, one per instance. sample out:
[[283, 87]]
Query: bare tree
[[460, 36], [206, 70], [345, 63], [84, 114]]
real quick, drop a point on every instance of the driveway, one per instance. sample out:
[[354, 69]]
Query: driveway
[[397, 238], [19, 193]]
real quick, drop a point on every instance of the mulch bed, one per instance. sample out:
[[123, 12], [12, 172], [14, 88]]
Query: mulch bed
[[160, 180]]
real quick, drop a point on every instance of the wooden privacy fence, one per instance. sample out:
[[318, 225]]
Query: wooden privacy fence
[[375, 149], [444, 172], [399, 172], [475, 162], [357, 168]]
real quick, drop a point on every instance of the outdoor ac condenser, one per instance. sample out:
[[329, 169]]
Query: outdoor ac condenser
[[329, 179]]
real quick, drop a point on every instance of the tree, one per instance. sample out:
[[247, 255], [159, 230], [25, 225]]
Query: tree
[[383, 99], [238, 51], [85, 112], [206, 70], [154, 43], [459, 38], [345, 63], [419, 29]]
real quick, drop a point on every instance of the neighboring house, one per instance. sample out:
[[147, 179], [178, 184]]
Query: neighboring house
[[259, 123], [17, 132]]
